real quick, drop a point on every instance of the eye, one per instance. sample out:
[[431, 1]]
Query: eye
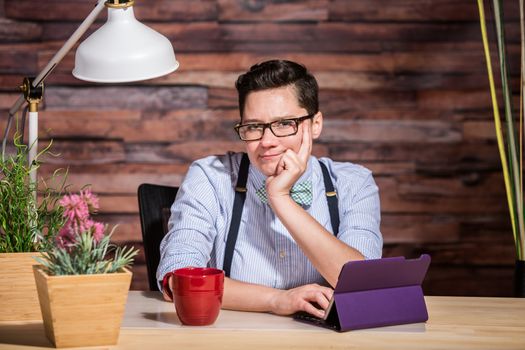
[[284, 124], [252, 127]]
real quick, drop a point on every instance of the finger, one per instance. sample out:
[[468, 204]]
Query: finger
[[328, 292], [322, 300], [312, 310], [306, 144], [314, 296], [291, 159], [281, 165]]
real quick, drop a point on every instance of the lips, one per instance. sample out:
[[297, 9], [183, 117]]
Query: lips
[[269, 156]]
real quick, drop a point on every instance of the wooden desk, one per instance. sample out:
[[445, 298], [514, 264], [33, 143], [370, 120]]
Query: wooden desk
[[455, 323]]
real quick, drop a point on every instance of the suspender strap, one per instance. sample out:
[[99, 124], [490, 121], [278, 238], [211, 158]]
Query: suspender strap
[[331, 197], [240, 197], [238, 204]]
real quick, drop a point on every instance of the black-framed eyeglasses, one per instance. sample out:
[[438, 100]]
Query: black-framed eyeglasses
[[280, 128]]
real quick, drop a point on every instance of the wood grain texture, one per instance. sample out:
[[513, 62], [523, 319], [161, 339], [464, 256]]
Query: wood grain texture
[[454, 322], [15, 31], [60, 10], [73, 306], [403, 91], [409, 10], [18, 295], [289, 11]]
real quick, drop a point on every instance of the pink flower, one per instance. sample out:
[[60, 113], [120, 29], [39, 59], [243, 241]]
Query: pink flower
[[75, 208], [65, 238], [98, 231], [77, 211], [90, 199]]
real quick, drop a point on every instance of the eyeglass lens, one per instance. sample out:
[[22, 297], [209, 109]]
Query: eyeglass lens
[[279, 128]]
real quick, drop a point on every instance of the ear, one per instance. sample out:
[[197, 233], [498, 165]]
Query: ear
[[317, 125]]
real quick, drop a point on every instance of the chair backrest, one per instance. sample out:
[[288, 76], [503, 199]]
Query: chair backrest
[[154, 210]]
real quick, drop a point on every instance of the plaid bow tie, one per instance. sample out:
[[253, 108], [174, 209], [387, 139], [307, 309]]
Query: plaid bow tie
[[301, 193]]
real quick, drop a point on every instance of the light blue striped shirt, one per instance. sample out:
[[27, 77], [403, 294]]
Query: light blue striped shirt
[[265, 252]]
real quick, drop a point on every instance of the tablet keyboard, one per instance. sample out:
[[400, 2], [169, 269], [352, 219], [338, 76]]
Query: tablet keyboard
[[308, 318]]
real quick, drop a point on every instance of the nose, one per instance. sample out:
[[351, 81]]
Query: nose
[[268, 138]]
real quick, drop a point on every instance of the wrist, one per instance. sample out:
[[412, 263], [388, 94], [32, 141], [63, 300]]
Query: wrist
[[273, 300], [281, 202], [279, 196]]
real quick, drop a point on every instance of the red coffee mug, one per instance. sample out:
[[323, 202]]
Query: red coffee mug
[[197, 294]]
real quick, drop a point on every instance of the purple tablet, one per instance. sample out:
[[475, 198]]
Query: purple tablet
[[375, 293]]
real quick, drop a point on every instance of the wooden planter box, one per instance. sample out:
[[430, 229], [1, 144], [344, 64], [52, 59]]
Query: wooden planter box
[[82, 310], [18, 296]]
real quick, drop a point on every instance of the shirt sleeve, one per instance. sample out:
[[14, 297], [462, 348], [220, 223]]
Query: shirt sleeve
[[191, 228], [359, 203]]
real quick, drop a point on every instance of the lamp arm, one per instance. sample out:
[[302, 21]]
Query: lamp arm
[[55, 60], [84, 26]]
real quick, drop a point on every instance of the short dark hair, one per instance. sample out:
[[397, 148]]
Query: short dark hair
[[279, 73]]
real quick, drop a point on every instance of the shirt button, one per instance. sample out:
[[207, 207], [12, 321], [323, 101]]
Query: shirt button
[[282, 254]]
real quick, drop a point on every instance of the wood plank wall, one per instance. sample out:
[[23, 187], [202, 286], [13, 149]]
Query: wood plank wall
[[403, 90]]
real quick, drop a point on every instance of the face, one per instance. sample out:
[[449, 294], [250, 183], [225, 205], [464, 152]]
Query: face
[[267, 106]]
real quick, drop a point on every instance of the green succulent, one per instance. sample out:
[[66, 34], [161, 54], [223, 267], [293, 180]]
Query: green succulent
[[87, 256]]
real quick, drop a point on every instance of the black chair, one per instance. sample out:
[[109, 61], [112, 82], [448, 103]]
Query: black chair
[[154, 208]]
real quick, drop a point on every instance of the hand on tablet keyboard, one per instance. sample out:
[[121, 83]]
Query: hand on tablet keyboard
[[311, 298]]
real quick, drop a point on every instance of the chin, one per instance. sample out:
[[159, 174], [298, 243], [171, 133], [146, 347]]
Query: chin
[[267, 169]]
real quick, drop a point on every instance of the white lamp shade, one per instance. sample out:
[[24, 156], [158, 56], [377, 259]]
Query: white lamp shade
[[124, 50]]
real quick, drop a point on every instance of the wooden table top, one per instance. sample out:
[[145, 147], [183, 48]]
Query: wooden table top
[[454, 323]]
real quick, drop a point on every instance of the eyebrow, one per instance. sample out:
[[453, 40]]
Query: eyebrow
[[259, 121]]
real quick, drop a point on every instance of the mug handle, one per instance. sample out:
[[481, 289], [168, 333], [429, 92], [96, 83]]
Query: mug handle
[[165, 285]]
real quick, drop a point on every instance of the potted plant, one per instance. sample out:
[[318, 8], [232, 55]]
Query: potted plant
[[27, 227], [83, 281], [510, 142]]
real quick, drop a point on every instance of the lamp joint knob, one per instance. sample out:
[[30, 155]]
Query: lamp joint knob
[[32, 94]]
